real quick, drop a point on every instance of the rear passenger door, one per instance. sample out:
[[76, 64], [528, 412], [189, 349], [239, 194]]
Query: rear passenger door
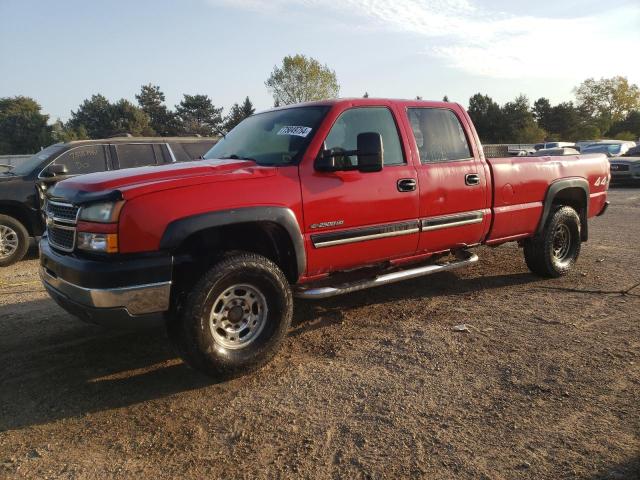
[[130, 155], [453, 201]]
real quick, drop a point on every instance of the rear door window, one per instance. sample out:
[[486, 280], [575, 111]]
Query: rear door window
[[135, 155], [81, 160], [439, 135]]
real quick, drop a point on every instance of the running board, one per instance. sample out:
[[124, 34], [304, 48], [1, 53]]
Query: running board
[[463, 259]]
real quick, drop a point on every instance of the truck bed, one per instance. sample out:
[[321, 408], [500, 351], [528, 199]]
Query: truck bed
[[519, 186]]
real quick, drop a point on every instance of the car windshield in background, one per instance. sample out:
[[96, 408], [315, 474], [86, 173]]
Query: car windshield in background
[[26, 167], [611, 149], [278, 137]]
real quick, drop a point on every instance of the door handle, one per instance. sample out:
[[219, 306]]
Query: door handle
[[407, 184], [472, 179]]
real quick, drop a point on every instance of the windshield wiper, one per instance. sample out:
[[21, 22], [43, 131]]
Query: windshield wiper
[[236, 157]]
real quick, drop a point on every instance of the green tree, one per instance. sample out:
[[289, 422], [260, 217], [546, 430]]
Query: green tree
[[487, 118], [630, 124], [99, 118], [23, 128], [127, 118], [198, 115], [542, 113], [162, 120], [609, 100], [301, 79], [520, 125], [61, 133], [238, 113], [94, 115]]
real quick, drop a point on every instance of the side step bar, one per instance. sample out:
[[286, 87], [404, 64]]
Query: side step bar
[[463, 259]]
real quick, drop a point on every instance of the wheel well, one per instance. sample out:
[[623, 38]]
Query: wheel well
[[199, 251], [19, 214], [575, 198]]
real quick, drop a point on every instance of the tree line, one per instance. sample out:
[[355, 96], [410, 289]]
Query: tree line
[[605, 108], [25, 129], [609, 107]]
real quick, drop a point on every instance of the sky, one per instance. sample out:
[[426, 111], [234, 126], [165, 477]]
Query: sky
[[61, 52]]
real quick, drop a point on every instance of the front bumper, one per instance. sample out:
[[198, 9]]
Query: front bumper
[[127, 292]]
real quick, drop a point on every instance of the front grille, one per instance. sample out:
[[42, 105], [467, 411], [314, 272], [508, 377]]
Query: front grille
[[61, 223], [62, 211], [63, 238], [619, 167]]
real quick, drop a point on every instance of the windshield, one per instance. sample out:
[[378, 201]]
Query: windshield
[[279, 137], [611, 149], [26, 167]]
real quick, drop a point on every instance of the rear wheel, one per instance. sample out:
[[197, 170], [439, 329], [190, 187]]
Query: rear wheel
[[555, 251], [14, 241], [235, 317]]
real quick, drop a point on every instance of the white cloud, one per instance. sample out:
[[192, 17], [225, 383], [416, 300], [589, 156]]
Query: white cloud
[[493, 44]]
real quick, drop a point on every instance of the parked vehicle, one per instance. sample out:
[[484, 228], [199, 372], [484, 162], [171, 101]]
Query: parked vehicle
[[580, 144], [543, 152], [611, 148], [311, 200], [626, 168], [22, 187], [547, 145]]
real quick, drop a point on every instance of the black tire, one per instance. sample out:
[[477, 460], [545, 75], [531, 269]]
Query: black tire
[[12, 231], [556, 250], [215, 351]]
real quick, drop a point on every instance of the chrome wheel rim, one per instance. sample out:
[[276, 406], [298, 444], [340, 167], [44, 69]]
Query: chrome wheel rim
[[238, 316], [561, 243], [8, 241]]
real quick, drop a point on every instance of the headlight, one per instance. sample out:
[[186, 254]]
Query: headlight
[[104, 212], [98, 242]]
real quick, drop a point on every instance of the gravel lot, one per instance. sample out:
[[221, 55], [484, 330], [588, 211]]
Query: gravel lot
[[546, 384]]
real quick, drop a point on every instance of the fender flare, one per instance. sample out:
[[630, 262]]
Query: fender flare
[[178, 230], [553, 190]]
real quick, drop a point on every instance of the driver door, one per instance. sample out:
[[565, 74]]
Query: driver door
[[355, 218]]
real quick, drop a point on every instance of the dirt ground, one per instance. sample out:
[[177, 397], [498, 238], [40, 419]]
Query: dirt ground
[[376, 384]]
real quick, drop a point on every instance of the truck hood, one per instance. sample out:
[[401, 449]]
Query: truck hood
[[132, 182]]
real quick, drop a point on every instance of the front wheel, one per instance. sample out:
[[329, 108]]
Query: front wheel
[[235, 318], [555, 251], [14, 241]]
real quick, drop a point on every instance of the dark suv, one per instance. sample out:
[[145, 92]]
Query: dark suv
[[22, 188]]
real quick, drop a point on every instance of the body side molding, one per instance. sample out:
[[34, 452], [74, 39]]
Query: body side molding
[[178, 230], [363, 234]]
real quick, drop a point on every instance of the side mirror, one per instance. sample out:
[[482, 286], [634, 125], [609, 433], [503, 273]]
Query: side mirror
[[370, 152], [369, 156], [56, 170]]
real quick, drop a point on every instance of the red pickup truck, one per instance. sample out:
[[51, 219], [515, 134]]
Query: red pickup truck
[[309, 200]]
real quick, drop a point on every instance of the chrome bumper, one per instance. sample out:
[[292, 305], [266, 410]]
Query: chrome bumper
[[136, 299]]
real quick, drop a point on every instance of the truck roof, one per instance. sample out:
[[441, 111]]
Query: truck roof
[[357, 101], [139, 140]]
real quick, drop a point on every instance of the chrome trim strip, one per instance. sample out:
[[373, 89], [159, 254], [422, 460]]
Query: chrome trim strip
[[454, 220], [136, 299], [363, 238], [464, 258], [61, 204]]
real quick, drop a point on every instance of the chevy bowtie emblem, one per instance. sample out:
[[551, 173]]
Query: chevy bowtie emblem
[[333, 223]]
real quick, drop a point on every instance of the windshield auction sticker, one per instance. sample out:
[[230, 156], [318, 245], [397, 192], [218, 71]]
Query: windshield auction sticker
[[298, 131]]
